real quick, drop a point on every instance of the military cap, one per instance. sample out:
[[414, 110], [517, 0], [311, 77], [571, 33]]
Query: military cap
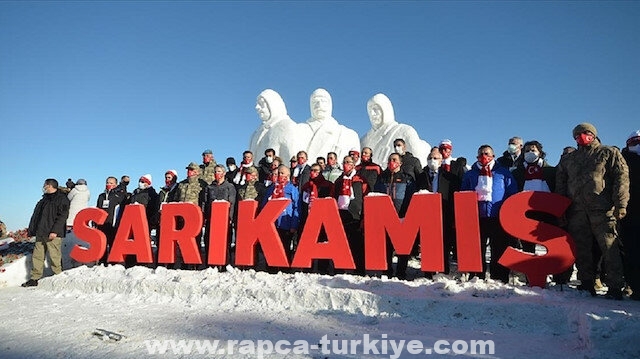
[[207, 152], [583, 127], [193, 166]]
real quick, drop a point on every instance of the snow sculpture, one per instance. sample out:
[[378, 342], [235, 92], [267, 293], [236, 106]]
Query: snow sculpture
[[277, 130], [385, 129], [321, 133]]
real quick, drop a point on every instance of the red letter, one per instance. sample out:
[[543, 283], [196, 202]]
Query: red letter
[[132, 225], [424, 215], [94, 237], [324, 213], [218, 230], [184, 237], [559, 244], [468, 232], [262, 229]]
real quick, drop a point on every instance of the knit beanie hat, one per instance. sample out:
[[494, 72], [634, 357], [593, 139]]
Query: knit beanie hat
[[146, 179], [633, 137], [173, 172], [446, 143], [585, 126]]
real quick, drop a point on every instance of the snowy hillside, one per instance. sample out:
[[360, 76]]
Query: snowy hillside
[[58, 318]]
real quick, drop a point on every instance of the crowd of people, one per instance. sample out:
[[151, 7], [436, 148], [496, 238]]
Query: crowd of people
[[602, 218]]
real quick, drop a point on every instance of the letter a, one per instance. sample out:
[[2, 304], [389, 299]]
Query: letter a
[[324, 213], [132, 236]]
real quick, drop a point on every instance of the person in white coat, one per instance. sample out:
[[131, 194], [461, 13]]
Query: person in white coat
[[79, 197]]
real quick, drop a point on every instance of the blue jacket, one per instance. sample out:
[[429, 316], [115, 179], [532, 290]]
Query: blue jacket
[[504, 185], [290, 218]]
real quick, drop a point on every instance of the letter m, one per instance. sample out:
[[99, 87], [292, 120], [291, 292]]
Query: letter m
[[424, 217]]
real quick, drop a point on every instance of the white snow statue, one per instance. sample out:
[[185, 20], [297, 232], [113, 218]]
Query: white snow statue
[[321, 133], [385, 129], [277, 130]]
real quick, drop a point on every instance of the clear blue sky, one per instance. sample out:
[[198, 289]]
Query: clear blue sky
[[92, 89]]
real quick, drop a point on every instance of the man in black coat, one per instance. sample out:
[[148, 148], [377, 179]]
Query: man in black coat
[[48, 225]]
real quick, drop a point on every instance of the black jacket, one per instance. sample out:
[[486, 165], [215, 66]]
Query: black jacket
[[147, 197], [411, 166], [50, 215], [224, 191], [116, 198]]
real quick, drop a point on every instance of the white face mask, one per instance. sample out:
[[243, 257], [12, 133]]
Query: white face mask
[[433, 164], [269, 159], [399, 150], [512, 148], [142, 185], [232, 167], [44, 189], [530, 157], [635, 149]]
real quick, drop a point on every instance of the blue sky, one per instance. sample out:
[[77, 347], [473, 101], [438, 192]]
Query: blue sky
[[92, 89]]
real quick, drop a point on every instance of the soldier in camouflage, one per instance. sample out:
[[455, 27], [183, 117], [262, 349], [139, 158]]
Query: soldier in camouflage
[[192, 189], [596, 178], [207, 168]]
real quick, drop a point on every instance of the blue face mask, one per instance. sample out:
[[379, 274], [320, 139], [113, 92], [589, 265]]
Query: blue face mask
[[512, 148], [530, 157]]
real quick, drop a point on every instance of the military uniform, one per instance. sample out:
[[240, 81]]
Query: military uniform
[[191, 190], [596, 178]]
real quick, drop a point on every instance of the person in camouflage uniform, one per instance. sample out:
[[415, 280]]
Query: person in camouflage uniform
[[207, 168], [596, 178], [3, 230], [192, 189]]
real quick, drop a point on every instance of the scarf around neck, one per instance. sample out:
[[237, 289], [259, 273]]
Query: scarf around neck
[[484, 188]]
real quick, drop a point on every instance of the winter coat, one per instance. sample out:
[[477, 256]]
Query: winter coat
[[147, 197], [548, 174], [193, 190], [79, 197], [396, 186], [354, 213], [633, 206], [224, 191], [116, 199], [594, 177], [504, 185], [50, 215], [290, 218], [509, 162], [411, 166]]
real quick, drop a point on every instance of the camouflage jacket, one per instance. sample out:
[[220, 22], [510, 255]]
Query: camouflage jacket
[[207, 172], [191, 190], [594, 177]]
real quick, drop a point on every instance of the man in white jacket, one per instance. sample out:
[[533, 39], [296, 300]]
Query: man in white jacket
[[79, 197]]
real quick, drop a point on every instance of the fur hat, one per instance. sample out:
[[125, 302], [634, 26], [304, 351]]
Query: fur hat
[[583, 127], [146, 179]]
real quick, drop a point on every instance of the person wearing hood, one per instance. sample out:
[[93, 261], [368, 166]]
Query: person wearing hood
[[322, 133], [493, 184], [47, 224], [79, 197], [512, 157], [596, 179], [385, 130], [277, 130], [630, 224]]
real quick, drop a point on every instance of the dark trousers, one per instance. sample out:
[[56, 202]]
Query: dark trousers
[[629, 235], [110, 232], [356, 244], [491, 232]]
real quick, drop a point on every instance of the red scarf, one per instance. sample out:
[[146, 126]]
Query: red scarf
[[485, 171]]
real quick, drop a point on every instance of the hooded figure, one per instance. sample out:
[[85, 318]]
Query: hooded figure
[[277, 130], [321, 133], [385, 129], [79, 198]]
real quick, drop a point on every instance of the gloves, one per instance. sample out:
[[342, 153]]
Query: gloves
[[619, 213]]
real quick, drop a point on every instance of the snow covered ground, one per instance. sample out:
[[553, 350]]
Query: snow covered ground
[[58, 318]]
